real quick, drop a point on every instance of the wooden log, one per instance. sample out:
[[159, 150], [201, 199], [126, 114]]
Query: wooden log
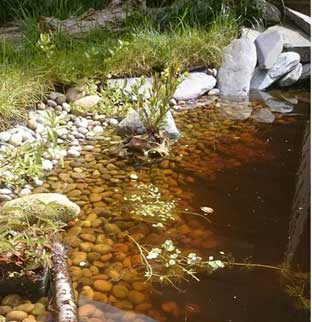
[[64, 295]]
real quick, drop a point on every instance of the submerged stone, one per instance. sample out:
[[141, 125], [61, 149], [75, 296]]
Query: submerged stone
[[235, 111], [131, 124], [263, 115]]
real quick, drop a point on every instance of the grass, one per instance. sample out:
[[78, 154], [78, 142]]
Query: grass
[[180, 36]]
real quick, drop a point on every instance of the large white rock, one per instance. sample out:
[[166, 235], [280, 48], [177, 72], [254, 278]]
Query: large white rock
[[248, 33], [195, 85], [239, 61], [262, 79], [269, 45], [295, 40], [301, 20], [292, 77]]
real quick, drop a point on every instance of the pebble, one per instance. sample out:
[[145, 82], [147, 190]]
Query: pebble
[[16, 316], [16, 139], [5, 136], [51, 103], [136, 297], [47, 165], [102, 285], [78, 258]]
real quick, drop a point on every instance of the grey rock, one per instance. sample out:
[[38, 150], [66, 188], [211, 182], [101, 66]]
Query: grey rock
[[66, 107], [269, 46], [214, 92], [263, 115], [87, 101], [73, 152], [41, 106], [98, 129], [16, 139], [113, 122], [5, 136], [25, 192], [73, 94], [131, 124], [47, 165], [82, 130], [306, 72], [234, 111], [292, 77], [269, 11], [301, 20], [61, 98], [5, 198], [195, 85], [53, 95], [295, 40], [170, 128], [51, 103], [239, 61], [5, 191], [262, 79], [38, 182]]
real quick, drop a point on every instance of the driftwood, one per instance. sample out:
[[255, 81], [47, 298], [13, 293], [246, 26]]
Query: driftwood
[[64, 295], [112, 16]]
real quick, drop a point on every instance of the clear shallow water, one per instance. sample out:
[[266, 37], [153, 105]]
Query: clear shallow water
[[245, 171]]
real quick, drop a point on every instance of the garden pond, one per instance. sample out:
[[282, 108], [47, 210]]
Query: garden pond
[[232, 182]]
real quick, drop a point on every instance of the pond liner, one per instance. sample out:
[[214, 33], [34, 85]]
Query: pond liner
[[32, 285], [64, 296]]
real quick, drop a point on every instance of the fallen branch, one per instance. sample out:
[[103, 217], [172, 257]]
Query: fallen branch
[[112, 16], [64, 296]]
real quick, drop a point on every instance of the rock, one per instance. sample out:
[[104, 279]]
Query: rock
[[251, 34], [131, 124], [127, 85], [102, 285], [136, 297], [295, 40], [286, 62], [98, 130], [102, 248], [306, 72], [16, 316], [169, 127], [51, 103], [78, 258], [292, 77], [113, 122], [270, 12], [41, 106], [16, 139], [67, 210], [263, 115], [300, 20], [4, 309], [73, 152], [73, 94], [47, 165], [94, 197], [38, 309], [214, 92], [232, 111], [194, 86], [5, 198], [133, 176], [269, 45], [25, 192], [5, 191], [275, 104], [5, 136], [239, 61], [120, 291], [86, 310], [61, 98], [87, 102], [11, 300], [112, 228]]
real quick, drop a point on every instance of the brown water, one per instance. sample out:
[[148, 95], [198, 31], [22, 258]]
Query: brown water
[[245, 171]]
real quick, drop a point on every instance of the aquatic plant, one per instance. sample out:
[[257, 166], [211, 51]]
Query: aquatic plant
[[146, 204], [168, 263]]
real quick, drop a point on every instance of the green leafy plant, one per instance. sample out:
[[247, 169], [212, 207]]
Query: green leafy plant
[[46, 43]]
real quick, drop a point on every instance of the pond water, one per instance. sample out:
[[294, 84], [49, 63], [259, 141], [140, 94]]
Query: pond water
[[245, 171]]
